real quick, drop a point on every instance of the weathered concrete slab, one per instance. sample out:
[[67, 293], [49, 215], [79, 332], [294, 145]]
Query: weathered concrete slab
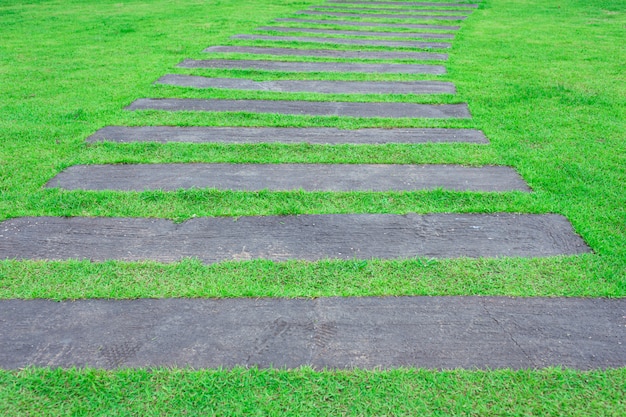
[[360, 32], [290, 66], [311, 86], [312, 108], [313, 135], [327, 53], [383, 16], [335, 333], [287, 177], [344, 8], [281, 238], [407, 3], [344, 41], [372, 24]]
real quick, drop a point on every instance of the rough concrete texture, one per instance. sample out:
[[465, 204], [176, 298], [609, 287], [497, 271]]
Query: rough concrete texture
[[285, 177], [309, 108], [335, 333], [282, 238], [313, 135], [407, 3], [289, 66], [344, 41], [360, 32], [335, 53], [384, 16], [311, 86], [373, 24]]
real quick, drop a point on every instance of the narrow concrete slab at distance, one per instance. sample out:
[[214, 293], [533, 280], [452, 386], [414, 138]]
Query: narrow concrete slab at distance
[[407, 3], [342, 8], [360, 32], [344, 41], [334, 333], [372, 24], [311, 86], [306, 108], [313, 135], [383, 16], [287, 177], [282, 238], [334, 53], [288, 66]]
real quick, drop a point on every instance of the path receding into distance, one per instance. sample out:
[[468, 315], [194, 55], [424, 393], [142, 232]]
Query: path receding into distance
[[368, 332]]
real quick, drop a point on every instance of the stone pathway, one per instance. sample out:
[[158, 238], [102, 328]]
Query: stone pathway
[[432, 332]]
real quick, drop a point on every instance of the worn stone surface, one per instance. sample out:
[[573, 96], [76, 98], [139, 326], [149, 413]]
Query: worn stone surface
[[284, 177], [407, 3], [330, 53], [287, 66], [335, 333], [383, 16], [311, 86], [360, 32], [344, 41], [372, 24], [342, 8], [312, 108], [313, 135], [281, 238]]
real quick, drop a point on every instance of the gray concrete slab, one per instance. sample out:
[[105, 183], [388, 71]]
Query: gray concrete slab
[[309, 108], [360, 32], [334, 53], [282, 238], [344, 41], [313, 135], [334, 333], [407, 3], [383, 16], [290, 66], [345, 8], [372, 24], [286, 177], [311, 86]]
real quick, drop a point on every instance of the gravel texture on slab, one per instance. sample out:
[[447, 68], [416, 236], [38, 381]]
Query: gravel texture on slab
[[344, 41]]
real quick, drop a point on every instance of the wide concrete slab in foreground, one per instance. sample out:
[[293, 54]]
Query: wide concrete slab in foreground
[[344, 41], [311, 86], [281, 238], [309, 108], [384, 16], [285, 177], [290, 66], [313, 135], [360, 32], [335, 333], [371, 24]]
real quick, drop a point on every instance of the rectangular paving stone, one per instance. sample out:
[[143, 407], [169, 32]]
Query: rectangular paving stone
[[288, 177], [372, 24], [329, 53], [290, 66], [360, 32], [311, 86], [343, 8], [343, 41], [334, 333], [310, 108], [313, 135], [282, 238], [383, 16], [407, 3]]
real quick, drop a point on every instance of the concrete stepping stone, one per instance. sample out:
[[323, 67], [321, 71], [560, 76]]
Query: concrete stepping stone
[[288, 177], [313, 135], [372, 24], [281, 238], [406, 3], [344, 41], [335, 333], [359, 32], [343, 8], [290, 66], [383, 16], [311, 86], [310, 108], [327, 53]]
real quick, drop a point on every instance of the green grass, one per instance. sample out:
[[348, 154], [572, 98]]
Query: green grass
[[544, 80]]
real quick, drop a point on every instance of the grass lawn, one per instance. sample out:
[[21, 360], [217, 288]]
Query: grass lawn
[[544, 79]]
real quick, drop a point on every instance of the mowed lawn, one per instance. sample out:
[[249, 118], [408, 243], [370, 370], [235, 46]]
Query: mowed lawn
[[544, 79]]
